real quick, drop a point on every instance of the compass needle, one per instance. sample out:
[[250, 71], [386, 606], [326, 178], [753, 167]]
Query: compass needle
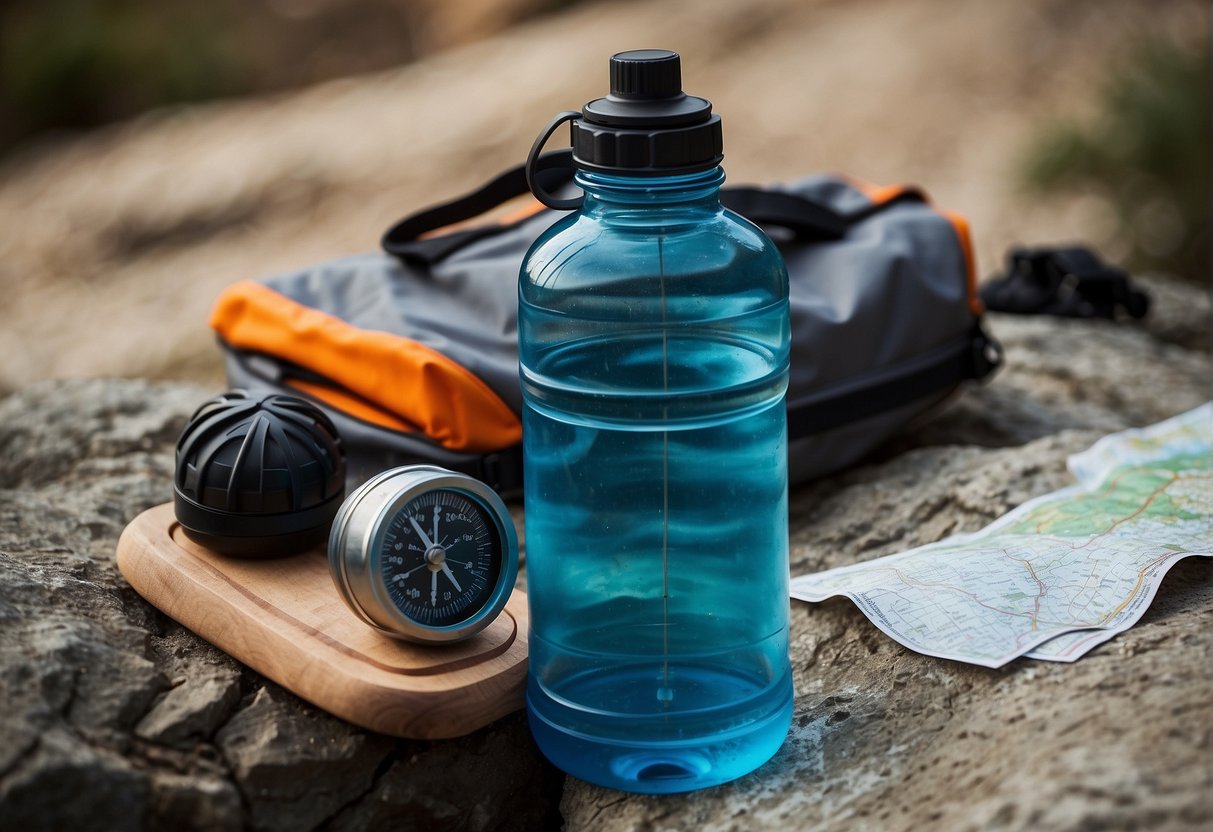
[[420, 533], [446, 570]]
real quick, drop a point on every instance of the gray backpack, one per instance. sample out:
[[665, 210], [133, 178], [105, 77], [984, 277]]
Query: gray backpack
[[413, 351]]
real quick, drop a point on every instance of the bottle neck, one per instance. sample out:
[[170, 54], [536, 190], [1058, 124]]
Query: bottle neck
[[608, 192]]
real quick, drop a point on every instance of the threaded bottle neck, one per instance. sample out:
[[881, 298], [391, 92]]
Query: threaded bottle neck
[[606, 190]]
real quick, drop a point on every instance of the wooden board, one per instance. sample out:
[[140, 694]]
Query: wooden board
[[285, 619]]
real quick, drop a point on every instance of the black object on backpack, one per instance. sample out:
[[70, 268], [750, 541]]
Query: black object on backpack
[[1068, 281]]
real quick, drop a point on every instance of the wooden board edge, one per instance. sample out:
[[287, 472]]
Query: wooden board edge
[[361, 694]]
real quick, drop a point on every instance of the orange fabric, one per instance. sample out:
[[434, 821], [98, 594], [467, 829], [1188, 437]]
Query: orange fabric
[[880, 194], [409, 380], [526, 211], [529, 209], [352, 405], [966, 243]]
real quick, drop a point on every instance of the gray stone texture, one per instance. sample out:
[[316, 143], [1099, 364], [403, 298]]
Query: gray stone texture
[[114, 717]]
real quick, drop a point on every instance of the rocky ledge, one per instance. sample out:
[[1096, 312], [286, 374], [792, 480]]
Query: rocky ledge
[[117, 718]]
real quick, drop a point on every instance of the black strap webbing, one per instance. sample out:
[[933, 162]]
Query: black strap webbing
[[808, 221], [403, 239], [972, 356]]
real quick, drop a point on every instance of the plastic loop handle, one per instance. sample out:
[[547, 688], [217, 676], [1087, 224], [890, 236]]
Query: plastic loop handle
[[532, 166]]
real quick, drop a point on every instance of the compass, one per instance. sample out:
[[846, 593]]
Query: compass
[[424, 554]]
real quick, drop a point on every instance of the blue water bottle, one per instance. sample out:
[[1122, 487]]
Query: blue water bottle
[[653, 338]]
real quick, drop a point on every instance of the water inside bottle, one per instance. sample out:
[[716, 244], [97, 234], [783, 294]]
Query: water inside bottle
[[656, 535]]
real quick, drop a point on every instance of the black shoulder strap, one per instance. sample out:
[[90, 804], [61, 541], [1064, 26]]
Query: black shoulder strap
[[806, 219], [405, 238]]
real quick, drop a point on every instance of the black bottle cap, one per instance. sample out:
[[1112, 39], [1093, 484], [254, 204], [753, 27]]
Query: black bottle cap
[[647, 125], [258, 477], [646, 73]]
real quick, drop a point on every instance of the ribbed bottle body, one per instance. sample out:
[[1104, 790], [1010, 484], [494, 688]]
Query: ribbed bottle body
[[653, 334]]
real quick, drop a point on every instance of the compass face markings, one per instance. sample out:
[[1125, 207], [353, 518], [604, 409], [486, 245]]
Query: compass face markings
[[441, 556]]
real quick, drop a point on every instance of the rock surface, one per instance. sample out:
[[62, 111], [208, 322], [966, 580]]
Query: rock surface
[[117, 718]]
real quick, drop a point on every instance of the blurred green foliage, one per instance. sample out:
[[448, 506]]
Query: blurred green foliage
[[76, 63], [72, 64], [1146, 153]]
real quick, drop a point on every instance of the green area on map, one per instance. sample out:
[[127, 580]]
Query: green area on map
[[1158, 491]]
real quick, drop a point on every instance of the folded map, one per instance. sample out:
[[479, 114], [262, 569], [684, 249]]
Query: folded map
[[1061, 573]]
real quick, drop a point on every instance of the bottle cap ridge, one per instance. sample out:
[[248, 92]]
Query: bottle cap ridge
[[647, 124], [646, 74]]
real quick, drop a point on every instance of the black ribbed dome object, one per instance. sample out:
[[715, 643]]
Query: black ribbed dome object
[[258, 476]]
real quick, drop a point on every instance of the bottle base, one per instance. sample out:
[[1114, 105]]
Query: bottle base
[[665, 766]]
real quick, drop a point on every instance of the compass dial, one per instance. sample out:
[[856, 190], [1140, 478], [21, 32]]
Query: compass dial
[[424, 554], [441, 558]]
